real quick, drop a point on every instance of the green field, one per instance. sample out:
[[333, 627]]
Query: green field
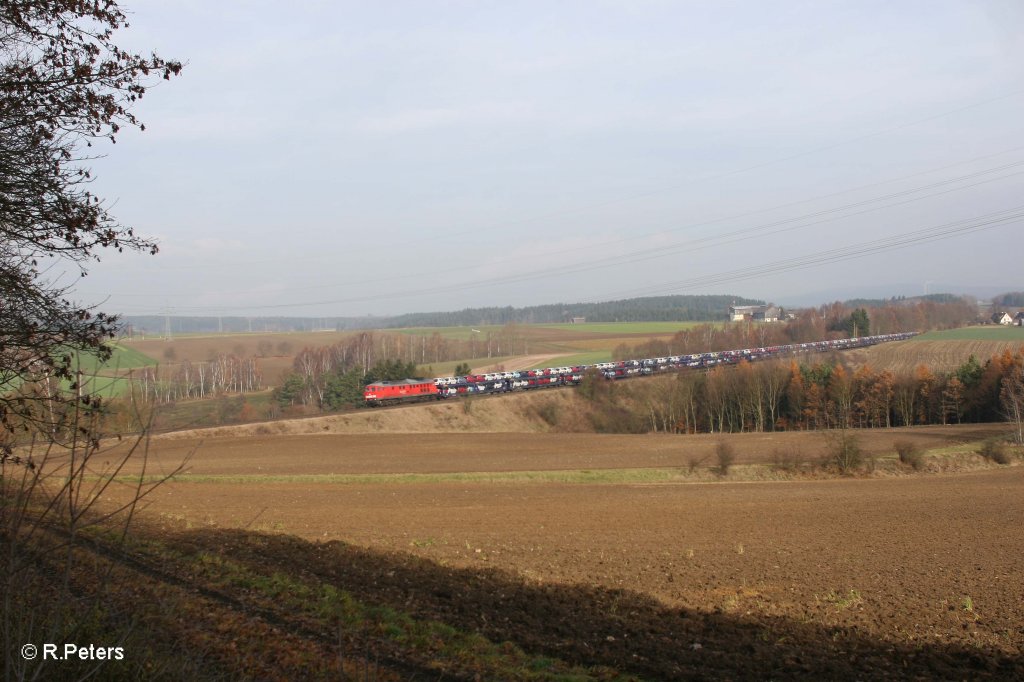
[[123, 358], [536, 331], [460, 333], [625, 327], [989, 332], [106, 379], [103, 386], [103, 379]]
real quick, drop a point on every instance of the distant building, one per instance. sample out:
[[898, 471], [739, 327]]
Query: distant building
[[579, 320], [1001, 318], [756, 313], [738, 313], [1019, 320]]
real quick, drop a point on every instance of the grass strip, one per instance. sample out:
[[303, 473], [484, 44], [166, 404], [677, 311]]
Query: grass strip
[[328, 608], [574, 476]]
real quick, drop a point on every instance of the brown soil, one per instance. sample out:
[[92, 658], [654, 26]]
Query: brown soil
[[901, 577], [318, 452], [200, 348], [514, 364]]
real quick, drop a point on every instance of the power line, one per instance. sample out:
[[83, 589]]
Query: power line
[[676, 186], [943, 231], [666, 250], [707, 223]]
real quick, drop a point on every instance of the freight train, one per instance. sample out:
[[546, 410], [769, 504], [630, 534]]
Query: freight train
[[413, 390]]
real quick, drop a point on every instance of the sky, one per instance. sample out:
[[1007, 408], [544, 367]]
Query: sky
[[321, 158]]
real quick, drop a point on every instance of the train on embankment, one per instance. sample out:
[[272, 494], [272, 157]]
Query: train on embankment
[[413, 390]]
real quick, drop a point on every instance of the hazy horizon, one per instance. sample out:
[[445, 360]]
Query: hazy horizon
[[339, 159]]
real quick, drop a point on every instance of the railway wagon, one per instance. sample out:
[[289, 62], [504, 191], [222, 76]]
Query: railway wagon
[[409, 390], [405, 391]]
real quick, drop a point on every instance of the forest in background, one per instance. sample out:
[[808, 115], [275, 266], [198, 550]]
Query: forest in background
[[649, 309]]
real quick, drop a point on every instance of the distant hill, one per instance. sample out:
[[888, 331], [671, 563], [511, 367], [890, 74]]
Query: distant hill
[[649, 309], [1012, 299], [879, 302]]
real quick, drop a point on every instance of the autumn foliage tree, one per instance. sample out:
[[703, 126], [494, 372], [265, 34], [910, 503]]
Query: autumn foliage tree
[[64, 86], [824, 394]]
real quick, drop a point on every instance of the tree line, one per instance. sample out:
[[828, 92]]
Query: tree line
[[784, 396], [831, 321], [328, 377], [225, 373], [1010, 299], [646, 309]]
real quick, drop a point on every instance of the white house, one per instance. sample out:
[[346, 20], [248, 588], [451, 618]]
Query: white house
[[1001, 318]]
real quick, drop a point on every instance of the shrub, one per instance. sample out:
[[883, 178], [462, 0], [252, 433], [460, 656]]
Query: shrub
[[692, 462], [909, 453], [549, 413], [994, 449], [843, 451], [790, 459], [726, 455], [616, 419], [594, 387]]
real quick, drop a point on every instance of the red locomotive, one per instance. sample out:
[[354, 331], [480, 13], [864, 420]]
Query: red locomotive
[[405, 391]]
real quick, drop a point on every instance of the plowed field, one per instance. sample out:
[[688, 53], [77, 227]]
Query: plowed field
[[939, 356], [898, 577]]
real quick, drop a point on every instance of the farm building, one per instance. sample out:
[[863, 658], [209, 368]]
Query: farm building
[[757, 313], [1001, 318], [1019, 320]]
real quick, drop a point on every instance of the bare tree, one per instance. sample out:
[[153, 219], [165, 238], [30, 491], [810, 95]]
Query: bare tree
[[774, 381], [1011, 398]]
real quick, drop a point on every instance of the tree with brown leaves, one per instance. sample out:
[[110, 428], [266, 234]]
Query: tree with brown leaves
[[64, 86]]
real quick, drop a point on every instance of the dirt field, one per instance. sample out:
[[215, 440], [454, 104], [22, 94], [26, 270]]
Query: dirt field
[[359, 453], [515, 363], [912, 576], [201, 348]]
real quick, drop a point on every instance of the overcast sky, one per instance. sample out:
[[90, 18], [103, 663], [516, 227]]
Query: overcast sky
[[344, 158]]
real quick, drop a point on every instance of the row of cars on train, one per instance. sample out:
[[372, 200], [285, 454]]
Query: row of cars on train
[[411, 390]]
